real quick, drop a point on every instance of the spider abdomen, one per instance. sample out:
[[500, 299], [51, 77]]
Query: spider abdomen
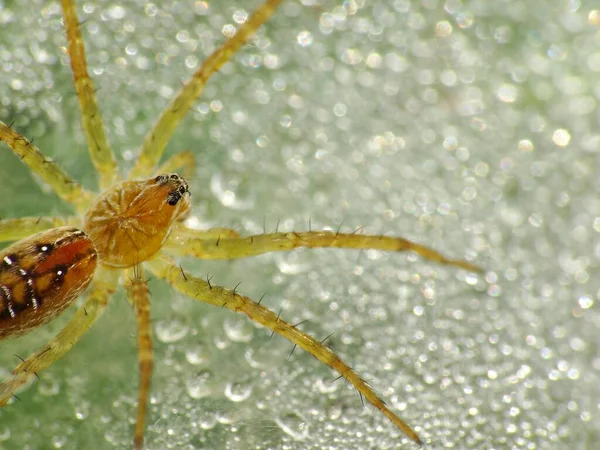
[[130, 221], [41, 276]]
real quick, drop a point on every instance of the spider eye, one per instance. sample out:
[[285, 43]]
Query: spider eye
[[173, 198], [174, 176], [161, 179]]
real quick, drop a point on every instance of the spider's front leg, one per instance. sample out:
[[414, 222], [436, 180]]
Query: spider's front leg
[[203, 245], [202, 290], [100, 153], [181, 162], [103, 287], [158, 137], [180, 233]]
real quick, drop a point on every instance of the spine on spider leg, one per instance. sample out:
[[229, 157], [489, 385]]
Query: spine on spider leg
[[63, 185], [198, 288], [157, 139], [272, 321], [100, 152], [139, 295], [226, 248]]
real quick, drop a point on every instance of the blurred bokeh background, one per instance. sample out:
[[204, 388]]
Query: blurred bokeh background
[[468, 126]]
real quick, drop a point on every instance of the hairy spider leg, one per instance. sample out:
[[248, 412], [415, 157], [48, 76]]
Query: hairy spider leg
[[139, 296], [22, 227], [62, 184], [156, 140], [216, 240], [202, 290], [103, 286], [100, 152], [204, 246], [212, 233]]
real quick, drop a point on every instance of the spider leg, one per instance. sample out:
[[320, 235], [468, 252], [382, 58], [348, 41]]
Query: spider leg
[[202, 290], [185, 233], [100, 153], [163, 129], [103, 287], [139, 296], [182, 161], [22, 227], [204, 247], [64, 186]]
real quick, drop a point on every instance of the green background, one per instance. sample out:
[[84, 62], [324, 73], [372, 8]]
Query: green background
[[443, 122]]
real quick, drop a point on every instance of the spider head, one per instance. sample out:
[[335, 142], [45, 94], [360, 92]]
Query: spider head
[[179, 187], [131, 220]]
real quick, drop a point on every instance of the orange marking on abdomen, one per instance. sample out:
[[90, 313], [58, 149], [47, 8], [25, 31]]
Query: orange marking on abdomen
[[41, 276], [66, 254]]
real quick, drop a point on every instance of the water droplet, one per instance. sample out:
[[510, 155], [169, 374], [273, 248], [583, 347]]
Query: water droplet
[[226, 191], [260, 358], [326, 386], [207, 420], [49, 387], [305, 38], [58, 441], [196, 355], [82, 410], [293, 425], [4, 434], [238, 391], [171, 331], [198, 385], [238, 330]]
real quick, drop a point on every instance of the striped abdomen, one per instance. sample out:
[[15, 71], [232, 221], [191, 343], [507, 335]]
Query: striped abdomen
[[41, 276]]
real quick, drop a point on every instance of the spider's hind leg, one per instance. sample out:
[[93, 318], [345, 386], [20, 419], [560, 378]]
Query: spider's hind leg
[[81, 321], [22, 227], [202, 290]]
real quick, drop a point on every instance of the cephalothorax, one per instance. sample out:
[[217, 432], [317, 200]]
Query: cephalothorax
[[130, 221], [135, 225]]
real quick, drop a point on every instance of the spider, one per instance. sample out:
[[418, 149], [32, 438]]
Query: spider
[[136, 225]]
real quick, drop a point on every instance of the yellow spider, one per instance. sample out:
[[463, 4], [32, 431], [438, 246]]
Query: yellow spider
[[136, 225]]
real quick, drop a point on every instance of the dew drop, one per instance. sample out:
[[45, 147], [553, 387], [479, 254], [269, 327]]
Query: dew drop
[[238, 330], [58, 441], [4, 434], [196, 355], [305, 38], [326, 387], [293, 425], [261, 358], [198, 385], [82, 410], [207, 420], [169, 331], [238, 391], [49, 387]]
